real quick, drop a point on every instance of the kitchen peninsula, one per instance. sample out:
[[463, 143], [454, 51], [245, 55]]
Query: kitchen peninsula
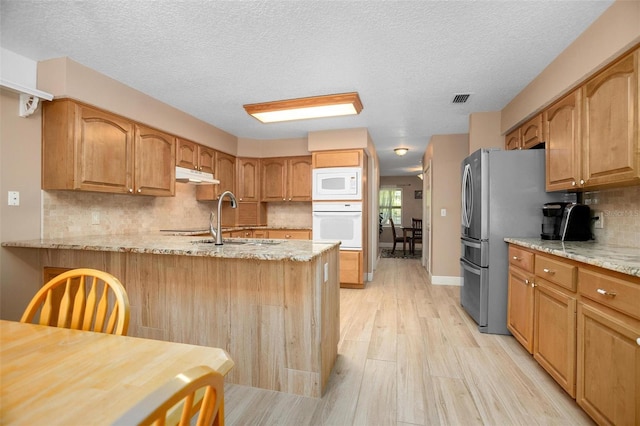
[[273, 305]]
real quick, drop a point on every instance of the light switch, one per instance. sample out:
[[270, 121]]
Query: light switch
[[443, 212], [14, 198]]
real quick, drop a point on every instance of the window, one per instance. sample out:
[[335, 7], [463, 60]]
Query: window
[[390, 205]]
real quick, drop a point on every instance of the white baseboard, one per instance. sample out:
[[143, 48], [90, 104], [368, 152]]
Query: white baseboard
[[444, 280]]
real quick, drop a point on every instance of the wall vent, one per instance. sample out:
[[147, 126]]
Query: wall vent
[[460, 98]]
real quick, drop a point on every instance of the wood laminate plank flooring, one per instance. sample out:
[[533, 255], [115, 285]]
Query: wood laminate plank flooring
[[410, 355]]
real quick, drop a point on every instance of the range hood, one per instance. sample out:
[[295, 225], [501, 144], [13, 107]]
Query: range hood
[[194, 176]]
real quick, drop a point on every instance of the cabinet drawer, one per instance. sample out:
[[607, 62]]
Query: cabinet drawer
[[621, 295], [288, 234], [556, 271], [521, 258]]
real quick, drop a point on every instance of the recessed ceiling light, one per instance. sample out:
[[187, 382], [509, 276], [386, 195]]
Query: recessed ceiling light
[[401, 151], [305, 108]]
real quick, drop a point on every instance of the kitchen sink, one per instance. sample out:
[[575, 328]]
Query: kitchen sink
[[212, 241], [240, 242]]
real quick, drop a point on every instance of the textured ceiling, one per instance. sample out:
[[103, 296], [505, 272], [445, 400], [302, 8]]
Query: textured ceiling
[[406, 59]]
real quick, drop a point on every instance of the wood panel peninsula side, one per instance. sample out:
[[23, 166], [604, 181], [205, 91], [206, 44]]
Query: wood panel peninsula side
[[273, 305]]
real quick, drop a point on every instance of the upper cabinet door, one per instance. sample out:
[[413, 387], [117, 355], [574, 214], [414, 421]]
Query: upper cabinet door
[[274, 175], [248, 179], [562, 148], [154, 167], [225, 172], [531, 132], [610, 125], [299, 179], [186, 154], [206, 159], [512, 140], [103, 151]]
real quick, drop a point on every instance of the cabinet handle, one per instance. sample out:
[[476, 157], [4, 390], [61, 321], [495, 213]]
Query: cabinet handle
[[516, 258], [139, 190], [606, 293], [289, 199], [531, 283], [581, 181], [287, 236], [548, 271], [573, 183], [131, 190], [638, 341]]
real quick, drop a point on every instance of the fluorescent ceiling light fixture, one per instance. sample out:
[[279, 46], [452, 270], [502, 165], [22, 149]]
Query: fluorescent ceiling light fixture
[[305, 108], [401, 151]]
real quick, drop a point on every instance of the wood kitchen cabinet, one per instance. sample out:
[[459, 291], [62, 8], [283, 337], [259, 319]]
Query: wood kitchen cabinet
[[608, 373], [351, 275], [248, 179], [586, 332], [513, 140], [87, 149], [338, 158], [195, 156], [554, 319], [531, 132], [562, 135], [610, 132], [289, 234], [520, 300], [526, 136], [592, 137], [225, 172], [286, 179]]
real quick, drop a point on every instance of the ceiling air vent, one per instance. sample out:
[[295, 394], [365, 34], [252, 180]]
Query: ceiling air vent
[[460, 98]]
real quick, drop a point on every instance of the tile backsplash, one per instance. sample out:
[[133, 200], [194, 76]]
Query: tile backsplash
[[621, 212], [71, 213]]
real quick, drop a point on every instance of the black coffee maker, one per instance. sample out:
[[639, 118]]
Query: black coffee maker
[[566, 222], [552, 220]]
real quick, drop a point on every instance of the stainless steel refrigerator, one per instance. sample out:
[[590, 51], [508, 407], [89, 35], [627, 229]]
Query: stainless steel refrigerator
[[502, 196]]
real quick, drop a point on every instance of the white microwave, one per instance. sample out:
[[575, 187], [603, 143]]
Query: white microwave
[[337, 183]]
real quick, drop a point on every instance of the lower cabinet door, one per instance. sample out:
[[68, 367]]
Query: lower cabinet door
[[554, 337], [351, 269], [520, 307], [608, 374]]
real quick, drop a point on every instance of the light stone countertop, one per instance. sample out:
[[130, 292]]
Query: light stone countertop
[[615, 258], [158, 243]]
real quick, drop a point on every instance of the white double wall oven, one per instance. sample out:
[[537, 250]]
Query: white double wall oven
[[337, 206]]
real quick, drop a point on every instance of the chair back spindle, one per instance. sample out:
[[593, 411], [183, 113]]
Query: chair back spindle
[[103, 308]]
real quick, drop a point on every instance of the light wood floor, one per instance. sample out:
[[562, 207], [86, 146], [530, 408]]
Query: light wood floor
[[409, 355]]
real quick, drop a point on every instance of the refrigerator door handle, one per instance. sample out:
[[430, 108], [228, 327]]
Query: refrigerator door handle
[[471, 243], [467, 196], [468, 266]]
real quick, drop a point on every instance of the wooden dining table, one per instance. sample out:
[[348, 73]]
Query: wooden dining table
[[51, 375]]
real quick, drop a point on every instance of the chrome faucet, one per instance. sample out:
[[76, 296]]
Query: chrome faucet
[[216, 232]]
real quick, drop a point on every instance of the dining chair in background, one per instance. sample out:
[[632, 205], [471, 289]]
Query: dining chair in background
[[396, 238], [416, 224], [198, 391], [81, 299]]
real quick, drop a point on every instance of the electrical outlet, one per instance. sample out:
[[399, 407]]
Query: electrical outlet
[[14, 198], [599, 220], [443, 212]]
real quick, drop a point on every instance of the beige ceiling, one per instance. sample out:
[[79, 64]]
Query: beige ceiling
[[406, 59]]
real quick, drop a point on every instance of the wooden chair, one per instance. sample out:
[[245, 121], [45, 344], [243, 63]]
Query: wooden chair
[[82, 299], [396, 238], [416, 224], [199, 390]]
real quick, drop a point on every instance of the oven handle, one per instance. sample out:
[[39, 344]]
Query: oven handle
[[354, 214], [468, 266]]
